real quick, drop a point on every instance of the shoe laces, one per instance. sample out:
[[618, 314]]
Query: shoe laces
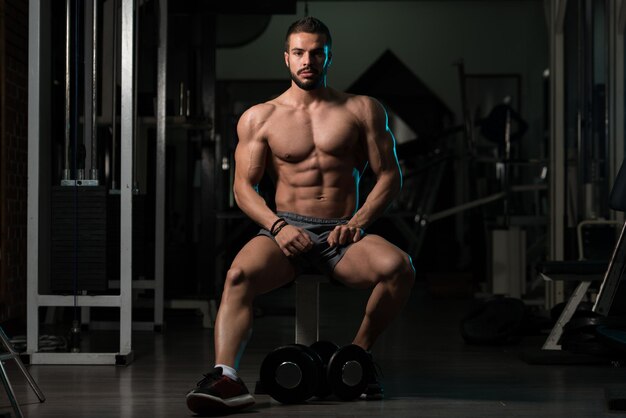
[[210, 377]]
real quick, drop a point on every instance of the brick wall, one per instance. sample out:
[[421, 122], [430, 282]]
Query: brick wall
[[13, 157]]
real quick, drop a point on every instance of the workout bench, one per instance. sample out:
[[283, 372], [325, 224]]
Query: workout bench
[[307, 307], [587, 271]]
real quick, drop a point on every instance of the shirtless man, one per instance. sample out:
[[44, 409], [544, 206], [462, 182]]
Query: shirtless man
[[316, 142]]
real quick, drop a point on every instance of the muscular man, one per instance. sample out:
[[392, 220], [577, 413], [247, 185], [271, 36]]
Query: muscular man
[[315, 142]]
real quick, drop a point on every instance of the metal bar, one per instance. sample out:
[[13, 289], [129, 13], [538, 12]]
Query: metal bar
[[560, 15], [34, 157], [115, 325], [75, 358], [126, 185], [62, 300], [159, 226], [114, 99], [554, 291], [66, 150], [134, 91], [14, 355], [466, 206], [552, 342], [87, 84], [612, 276], [307, 308], [94, 95], [621, 19], [528, 187], [10, 391], [137, 284], [482, 201]]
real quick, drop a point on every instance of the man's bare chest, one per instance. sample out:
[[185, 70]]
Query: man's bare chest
[[297, 136]]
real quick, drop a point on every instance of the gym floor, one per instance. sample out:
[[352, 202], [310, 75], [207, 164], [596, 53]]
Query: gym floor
[[428, 370]]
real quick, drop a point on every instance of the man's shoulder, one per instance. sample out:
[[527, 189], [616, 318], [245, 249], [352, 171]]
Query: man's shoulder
[[257, 115], [260, 109], [361, 105]]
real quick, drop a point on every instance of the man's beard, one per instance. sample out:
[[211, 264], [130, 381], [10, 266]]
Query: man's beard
[[310, 84]]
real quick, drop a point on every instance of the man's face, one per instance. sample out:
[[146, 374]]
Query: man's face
[[308, 59]]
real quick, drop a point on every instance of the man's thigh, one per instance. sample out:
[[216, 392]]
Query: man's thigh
[[263, 264], [369, 260]]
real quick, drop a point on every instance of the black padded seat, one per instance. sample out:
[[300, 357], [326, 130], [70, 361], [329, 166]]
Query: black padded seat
[[591, 269]]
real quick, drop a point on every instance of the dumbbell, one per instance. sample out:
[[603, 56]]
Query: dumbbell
[[295, 373], [349, 371], [291, 374]]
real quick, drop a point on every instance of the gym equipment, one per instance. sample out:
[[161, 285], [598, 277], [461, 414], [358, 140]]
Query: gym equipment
[[38, 295], [307, 307], [611, 293], [11, 354], [291, 374], [295, 373], [349, 371], [325, 350], [286, 373], [579, 334]]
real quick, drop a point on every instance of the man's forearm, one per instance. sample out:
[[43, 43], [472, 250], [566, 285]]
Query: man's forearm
[[380, 197], [253, 205]]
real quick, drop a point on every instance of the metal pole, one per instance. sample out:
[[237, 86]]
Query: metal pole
[[135, 66], [94, 95], [66, 151], [126, 189], [33, 191], [555, 291], [159, 227], [114, 100]]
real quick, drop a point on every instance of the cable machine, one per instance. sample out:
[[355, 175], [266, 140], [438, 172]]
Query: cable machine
[[81, 192]]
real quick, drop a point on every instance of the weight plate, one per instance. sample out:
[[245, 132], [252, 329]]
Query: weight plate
[[290, 374], [349, 371], [578, 324]]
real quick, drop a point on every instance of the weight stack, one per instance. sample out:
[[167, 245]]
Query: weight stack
[[79, 239], [142, 246]]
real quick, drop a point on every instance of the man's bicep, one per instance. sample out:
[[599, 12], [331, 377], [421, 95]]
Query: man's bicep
[[380, 140], [250, 161]]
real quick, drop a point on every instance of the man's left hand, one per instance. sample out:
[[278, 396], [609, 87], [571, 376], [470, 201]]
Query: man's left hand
[[344, 234]]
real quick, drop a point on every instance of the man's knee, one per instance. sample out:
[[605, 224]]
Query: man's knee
[[399, 268], [236, 280]]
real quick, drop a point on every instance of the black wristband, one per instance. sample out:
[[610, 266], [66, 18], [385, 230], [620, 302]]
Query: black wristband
[[280, 228], [279, 221]]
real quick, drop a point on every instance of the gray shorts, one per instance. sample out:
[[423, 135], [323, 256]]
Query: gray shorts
[[321, 258]]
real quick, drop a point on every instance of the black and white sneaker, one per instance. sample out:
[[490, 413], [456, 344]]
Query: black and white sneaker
[[217, 393], [374, 390]]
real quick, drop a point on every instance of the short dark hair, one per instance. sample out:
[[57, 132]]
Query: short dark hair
[[309, 24]]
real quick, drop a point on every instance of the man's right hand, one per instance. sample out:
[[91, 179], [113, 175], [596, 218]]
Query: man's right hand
[[293, 241]]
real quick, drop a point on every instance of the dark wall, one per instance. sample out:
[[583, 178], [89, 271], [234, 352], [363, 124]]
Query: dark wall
[[13, 157]]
